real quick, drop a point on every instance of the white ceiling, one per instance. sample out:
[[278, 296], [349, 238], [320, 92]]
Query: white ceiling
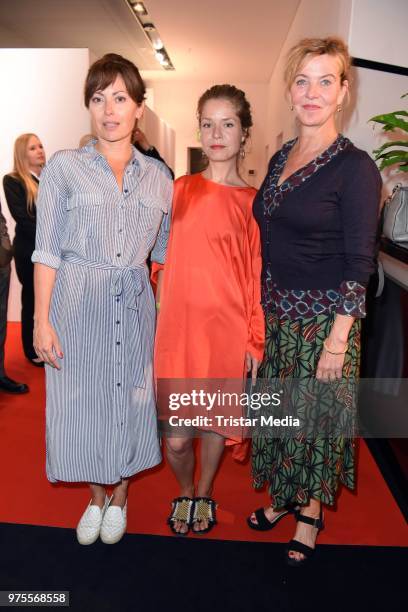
[[206, 39], [222, 39], [103, 26]]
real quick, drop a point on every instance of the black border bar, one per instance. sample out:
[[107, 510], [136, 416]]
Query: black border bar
[[363, 63]]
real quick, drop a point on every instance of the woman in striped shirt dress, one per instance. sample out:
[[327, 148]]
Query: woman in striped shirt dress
[[101, 210]]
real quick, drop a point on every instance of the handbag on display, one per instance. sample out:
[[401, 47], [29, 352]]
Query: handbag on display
[[395, 215]]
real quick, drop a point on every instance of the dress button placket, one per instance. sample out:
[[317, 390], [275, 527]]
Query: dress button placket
[[118, 380], [119, 246], [118, 373]]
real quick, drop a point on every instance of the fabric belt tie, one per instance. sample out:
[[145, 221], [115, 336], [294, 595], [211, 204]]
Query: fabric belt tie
[[129, 282]]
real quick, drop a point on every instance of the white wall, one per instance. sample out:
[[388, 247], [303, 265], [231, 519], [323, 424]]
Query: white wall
[[41, 93], [378, 32], [176, 103], [160, 135]]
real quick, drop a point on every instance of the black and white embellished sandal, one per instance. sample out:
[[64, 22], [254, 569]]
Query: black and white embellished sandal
[[296, 546], [182, 511], [204, 510]]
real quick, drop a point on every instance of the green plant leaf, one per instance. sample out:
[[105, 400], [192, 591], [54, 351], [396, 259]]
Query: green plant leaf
[[390, 161], [386, 145], [387, 155], [393, 153], [404, 113], [392, 121]]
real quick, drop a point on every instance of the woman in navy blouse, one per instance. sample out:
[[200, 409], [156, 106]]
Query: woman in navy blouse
[[317, 210]]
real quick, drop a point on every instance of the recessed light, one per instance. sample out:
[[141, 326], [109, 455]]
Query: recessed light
[[140, 13], [157, 44], [139, 7]]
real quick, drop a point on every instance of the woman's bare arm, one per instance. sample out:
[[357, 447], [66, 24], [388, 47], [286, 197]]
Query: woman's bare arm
[[46, 342]]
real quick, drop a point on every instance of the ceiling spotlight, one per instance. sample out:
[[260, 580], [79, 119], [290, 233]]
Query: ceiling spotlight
[[139, 12], [139, 7], [157, 44]]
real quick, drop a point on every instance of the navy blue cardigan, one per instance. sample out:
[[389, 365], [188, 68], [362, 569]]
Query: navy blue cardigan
[[324, 231]]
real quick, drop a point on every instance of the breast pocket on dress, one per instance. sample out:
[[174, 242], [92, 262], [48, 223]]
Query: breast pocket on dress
[[152, 201], [88, 211], [86, 220], [151, 210]]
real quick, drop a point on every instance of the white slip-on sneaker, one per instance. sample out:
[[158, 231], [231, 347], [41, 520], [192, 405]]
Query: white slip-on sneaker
[[90, 523], [113, 524]]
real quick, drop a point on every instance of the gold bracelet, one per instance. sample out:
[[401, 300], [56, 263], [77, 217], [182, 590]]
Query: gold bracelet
[[157, 305], [332, 352]]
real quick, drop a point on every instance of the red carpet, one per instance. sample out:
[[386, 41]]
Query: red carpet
[[369, 516]]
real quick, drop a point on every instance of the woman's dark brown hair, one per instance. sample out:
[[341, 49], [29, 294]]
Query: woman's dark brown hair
[[235, 96], [104, 71]]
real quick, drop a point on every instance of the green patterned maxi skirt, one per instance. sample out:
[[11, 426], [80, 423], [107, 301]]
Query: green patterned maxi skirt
[[299, 467]]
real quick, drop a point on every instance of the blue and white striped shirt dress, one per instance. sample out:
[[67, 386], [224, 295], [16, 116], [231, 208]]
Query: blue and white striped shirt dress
[[100, 413]]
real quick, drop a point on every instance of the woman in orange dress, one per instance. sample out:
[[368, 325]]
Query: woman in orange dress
[[211, 324]]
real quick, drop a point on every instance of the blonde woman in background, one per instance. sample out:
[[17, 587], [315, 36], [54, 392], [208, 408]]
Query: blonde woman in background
[[21, 187]]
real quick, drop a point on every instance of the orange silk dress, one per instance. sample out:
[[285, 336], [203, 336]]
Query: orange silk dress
[[210, 303]]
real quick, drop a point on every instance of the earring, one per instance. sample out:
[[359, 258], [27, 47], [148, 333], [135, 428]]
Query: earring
[[198, 135], [339, 108], [242, 153]]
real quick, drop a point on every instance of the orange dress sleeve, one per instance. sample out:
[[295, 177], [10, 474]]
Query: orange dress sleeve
[[256, 331], [154, 274]]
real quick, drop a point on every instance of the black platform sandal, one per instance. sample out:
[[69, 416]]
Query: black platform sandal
[[182, 511], [264, 524], [204, 510], [296, 546]]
